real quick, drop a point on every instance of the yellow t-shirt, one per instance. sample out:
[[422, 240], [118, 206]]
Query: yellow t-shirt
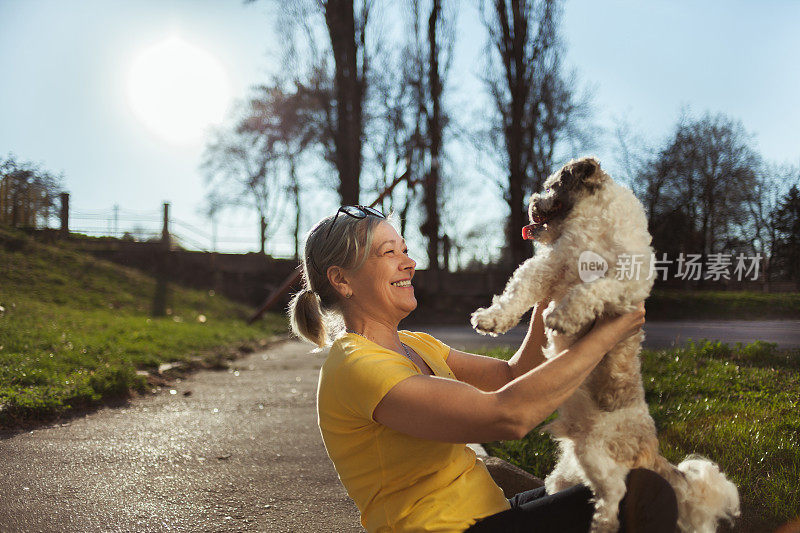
[[398, 482]]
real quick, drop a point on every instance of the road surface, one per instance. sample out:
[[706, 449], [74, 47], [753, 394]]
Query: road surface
[[786, 333]]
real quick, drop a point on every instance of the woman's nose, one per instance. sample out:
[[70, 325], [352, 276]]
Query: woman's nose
[[408, 264]]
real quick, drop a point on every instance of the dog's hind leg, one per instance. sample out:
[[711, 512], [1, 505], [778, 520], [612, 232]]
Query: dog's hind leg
[[567, 472], [607, 481]]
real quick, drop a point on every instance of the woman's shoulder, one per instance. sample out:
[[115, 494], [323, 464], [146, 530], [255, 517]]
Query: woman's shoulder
[[350, 349], [357, 365], [427, 342], [421, 335]]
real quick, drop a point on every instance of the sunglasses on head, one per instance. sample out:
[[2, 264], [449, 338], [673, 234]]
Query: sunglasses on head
[[355, 211]]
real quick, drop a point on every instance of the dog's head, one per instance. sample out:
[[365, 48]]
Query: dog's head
[[547, 210]]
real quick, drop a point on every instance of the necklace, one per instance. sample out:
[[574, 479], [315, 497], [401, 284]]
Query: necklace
[[405, 349]]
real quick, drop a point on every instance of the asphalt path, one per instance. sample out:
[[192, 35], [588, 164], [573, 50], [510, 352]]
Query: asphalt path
[[241, 452], [786, 333]]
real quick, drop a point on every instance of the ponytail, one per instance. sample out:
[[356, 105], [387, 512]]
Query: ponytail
[[306, 317]]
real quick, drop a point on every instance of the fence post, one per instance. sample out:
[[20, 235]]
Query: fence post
[[165, 229], [161, 258], [64, 214], [263, 234]]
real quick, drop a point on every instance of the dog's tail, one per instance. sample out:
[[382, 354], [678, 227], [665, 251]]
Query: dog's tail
[[705, 495]]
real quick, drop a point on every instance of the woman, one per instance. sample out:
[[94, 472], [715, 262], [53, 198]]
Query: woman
[[395, 407]]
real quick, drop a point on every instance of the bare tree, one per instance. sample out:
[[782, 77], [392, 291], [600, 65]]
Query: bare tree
[[700, 186], [769, 184], [535, 103], [429, 52], [440, 45], [289, 122], [405, 120], [253, 162], [341, 102], [390, 126]]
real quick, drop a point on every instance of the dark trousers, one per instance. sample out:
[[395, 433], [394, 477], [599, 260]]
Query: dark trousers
[[568, 511]]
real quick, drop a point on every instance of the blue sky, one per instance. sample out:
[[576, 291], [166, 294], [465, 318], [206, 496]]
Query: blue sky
[[65, 65]]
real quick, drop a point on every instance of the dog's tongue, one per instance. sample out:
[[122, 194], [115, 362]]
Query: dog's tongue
[[527, 232]]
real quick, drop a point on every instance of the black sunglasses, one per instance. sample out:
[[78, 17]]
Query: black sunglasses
[[355, 211]]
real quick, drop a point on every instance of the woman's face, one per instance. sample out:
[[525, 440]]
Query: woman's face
[[382, 287]]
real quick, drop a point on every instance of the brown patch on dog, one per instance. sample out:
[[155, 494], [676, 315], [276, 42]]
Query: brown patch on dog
[[587, 171]]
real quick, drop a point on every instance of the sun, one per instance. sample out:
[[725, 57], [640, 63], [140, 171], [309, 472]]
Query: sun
[[177, 90]]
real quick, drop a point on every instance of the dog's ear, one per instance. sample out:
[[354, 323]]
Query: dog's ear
[[587, 170]]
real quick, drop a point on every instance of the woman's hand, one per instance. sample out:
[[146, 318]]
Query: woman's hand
[[616, 329]]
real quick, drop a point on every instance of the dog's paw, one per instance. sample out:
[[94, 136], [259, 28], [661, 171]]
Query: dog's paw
[[604, 523], [490, 321]]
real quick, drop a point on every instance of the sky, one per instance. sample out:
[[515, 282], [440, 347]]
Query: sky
[[66, 98]]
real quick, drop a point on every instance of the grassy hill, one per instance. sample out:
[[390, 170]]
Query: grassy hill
[[74, 330]]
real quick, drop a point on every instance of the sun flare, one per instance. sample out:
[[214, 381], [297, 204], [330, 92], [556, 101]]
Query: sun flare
[[177, 90]]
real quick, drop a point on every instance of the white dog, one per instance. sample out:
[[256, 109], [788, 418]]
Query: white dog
[[594, 260]]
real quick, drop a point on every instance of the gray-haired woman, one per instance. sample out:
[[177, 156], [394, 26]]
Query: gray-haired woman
[[396, 407]]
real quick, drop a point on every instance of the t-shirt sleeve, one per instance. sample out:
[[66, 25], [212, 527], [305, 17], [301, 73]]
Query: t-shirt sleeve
[[365, 378], [434, 345]]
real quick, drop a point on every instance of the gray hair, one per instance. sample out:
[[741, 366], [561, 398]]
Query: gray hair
[[315, 312]]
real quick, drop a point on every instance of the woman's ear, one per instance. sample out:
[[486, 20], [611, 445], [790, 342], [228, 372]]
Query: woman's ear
[[338, 280]]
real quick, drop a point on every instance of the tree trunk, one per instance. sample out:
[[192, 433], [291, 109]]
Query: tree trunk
[[349, 91], [517, 67], [296, 193], [430, 227]]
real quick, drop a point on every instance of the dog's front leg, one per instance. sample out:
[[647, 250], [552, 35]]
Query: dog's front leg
[[527, 286], [585, 302]]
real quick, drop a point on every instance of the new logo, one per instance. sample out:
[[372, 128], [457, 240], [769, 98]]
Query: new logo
[[591, 266]]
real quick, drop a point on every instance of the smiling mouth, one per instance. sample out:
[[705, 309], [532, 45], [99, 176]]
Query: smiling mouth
[[403, 283]]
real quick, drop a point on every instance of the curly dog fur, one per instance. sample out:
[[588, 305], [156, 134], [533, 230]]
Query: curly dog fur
[[604, 429]]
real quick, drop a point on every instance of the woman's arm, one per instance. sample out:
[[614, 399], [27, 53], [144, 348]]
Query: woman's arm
[[530, 355], [490, 374], [452, 411]]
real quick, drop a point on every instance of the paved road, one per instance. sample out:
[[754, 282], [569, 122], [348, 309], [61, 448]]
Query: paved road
[[241, 453], [657, 334]]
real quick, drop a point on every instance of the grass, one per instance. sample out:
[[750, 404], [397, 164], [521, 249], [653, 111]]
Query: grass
[[74, 330], [739, 406], [675, 304]]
